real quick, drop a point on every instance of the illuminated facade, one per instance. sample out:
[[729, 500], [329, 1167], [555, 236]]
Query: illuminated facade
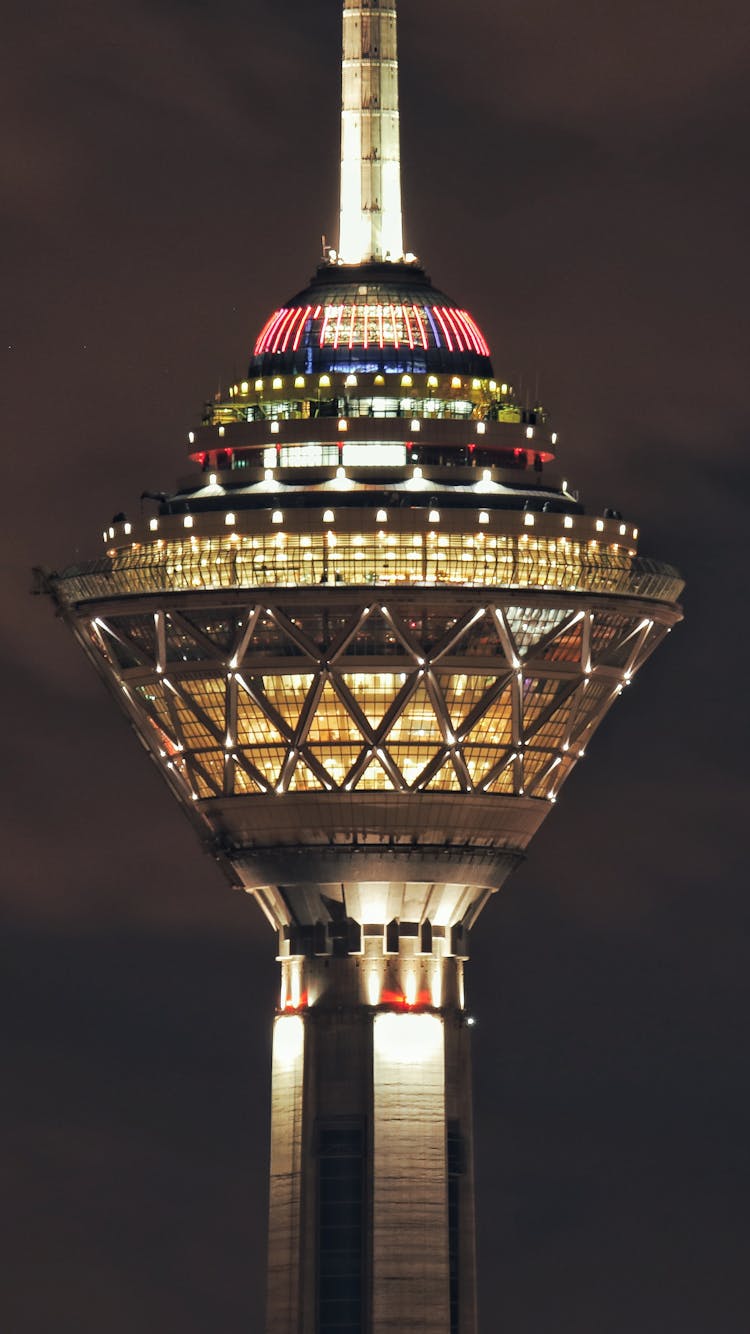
[[366, 644]]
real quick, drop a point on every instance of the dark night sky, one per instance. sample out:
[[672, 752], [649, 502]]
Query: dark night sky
[[576, 175]]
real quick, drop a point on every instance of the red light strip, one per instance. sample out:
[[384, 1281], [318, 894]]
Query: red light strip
[[470, 337], [274, 331], [441, 321], [395, 327], [476, 339], [263, 332], [298, 314], [483, 345], [301, 327], [422, 329], [456, 330], [262, 344], [286, 323]]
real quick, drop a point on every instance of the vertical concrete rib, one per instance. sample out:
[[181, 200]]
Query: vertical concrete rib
[[409, 1185], [285, 1203]]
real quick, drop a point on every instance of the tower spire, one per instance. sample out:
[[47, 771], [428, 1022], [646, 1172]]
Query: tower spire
[[371, 218]]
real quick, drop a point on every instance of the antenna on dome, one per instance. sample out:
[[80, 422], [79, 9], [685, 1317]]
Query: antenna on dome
[[371, 214]]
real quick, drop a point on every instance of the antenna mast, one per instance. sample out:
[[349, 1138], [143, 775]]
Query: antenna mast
[[371, 215]]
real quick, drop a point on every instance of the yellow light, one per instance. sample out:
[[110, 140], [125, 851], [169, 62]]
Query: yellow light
[[484, 516], [299, 383], [325, 381], [504, 389], [476, 384], [258, 385], [380, 379], [432, 381], [409, 1039], [382, 516], [434, 516], [329, 517], [154, 525], [406, 381], [289, 1040], [529, 520], [416, 426], [277, 383], [188, 521], [245, 386], [455, 382], [277, 517], [351, 381], [343, 425]]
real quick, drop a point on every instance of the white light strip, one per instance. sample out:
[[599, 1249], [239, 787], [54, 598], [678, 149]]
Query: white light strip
[[285, 1214], [409, 1191]]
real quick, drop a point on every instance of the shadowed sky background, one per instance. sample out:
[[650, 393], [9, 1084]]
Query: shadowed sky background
[[576, 175]]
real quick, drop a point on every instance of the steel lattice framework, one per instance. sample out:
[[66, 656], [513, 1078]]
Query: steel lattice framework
[[363, 697]]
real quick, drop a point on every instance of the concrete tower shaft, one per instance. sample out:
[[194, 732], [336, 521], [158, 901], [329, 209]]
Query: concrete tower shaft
[[371, 220]]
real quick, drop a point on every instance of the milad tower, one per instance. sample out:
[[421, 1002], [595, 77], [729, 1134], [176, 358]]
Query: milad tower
[[365, 643]]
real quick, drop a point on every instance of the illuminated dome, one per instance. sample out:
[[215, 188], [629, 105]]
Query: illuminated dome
[[370, 318]]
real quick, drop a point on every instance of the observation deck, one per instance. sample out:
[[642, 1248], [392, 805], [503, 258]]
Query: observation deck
[[369, 636]]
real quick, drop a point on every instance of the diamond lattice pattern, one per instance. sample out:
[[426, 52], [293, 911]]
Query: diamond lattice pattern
[[501, 700]]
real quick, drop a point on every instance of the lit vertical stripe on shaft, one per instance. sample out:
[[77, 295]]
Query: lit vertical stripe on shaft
[[409, 1181], [285, 1209]]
